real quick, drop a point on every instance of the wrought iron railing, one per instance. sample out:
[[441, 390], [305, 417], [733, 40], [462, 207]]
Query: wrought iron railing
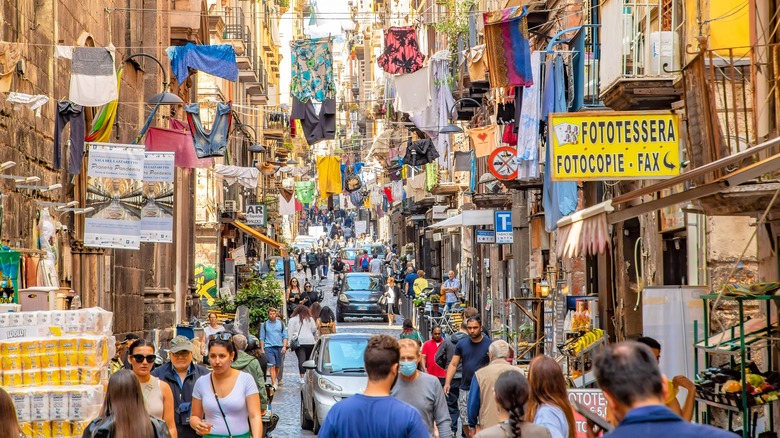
[[235, 28]]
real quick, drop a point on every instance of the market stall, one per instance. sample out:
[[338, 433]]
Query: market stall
[[54, 365]]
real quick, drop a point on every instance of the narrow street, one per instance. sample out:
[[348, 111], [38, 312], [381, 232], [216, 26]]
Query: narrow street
[[288, 398]]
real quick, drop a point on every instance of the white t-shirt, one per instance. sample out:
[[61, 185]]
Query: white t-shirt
[[234, 405], [208, 331], [306, 335], [375, 265]]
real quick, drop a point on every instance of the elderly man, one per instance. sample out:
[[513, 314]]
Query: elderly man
[[422, 391], [482, 409], [450, 289], [180, 374]]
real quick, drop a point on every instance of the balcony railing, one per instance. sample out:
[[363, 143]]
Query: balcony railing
[[275, 118], [639, 40], [235, 28]]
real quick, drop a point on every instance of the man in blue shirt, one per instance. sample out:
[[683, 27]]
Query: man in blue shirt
[[375, 413], [409, 280], [635, 390], [273, 343]]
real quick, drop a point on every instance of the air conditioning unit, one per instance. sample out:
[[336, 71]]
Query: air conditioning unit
[[230, 206]]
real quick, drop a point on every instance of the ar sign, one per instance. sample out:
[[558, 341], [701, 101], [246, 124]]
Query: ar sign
[[503, 224], [255, 214]]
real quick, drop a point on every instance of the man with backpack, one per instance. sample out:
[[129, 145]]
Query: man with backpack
[[443, 358], [273, 343], [364, 262]]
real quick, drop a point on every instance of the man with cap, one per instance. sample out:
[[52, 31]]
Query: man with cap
[[180, 374], [120, 359]]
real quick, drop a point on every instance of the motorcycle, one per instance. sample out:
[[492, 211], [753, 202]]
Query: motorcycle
[[338, 280]]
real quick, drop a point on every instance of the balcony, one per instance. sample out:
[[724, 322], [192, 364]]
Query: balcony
[[275, 121], [235, 30], [640, 56], [186, 25], [258, 90], [247, 61]]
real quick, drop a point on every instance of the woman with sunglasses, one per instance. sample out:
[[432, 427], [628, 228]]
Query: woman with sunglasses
[[311, 295], [295, 295], [226, 402], [158, 396]]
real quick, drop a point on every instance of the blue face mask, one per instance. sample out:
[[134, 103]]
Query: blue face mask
[[407, 369]]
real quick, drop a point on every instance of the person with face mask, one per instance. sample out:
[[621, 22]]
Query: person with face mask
[[422, 391]]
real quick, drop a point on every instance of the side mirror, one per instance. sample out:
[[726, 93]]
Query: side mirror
[[309, 365]]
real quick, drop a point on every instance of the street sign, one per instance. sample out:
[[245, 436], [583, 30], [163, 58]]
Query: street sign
[[486, 236], [502, 163], [616, 145], [255, 214], [503, 225], [593, 400]]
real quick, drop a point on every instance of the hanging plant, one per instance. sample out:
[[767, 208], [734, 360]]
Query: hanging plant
[[456, 22]]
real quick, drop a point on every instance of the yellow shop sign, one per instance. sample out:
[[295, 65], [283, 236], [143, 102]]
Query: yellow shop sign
[[614, 145]]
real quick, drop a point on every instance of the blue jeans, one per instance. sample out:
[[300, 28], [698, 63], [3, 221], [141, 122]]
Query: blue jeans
[[214, 142]]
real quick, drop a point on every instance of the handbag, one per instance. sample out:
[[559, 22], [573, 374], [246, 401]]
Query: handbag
[[295, 343]]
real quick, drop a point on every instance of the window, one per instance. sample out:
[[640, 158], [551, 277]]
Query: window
[[362, 282], [343, 355]]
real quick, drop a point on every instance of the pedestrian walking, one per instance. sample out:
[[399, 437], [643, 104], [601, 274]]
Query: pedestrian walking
[[315, 310], [310, 295], [180, 374], [634, 388], [157, 396], [393, 300], [273, 343], [674, 385], [326, 323], [323, 260], [481, 407], [225, 403], [375, 265], [420, 284], [443, 358], [548, 404], [302, 334], [123, 414], [375, 413], [295, 295], [450, 289], [313, 262], [510, 396], [422, 391], [429, 349], [9, 425], [212, 328], [249, 364], [120, 360], [473, 352], [409, 332], [363, 262]]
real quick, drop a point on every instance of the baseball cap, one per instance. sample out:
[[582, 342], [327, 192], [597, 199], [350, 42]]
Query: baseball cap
[[181, 343], [129, 338]]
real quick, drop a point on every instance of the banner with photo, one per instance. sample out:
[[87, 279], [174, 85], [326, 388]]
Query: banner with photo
[[115, 175], [158, 195]]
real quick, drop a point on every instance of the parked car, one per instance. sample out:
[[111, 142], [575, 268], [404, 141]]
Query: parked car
[[334, 372], [360, 295], [349, 255]]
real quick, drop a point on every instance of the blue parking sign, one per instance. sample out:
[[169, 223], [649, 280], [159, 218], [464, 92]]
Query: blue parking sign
[[503, 225]]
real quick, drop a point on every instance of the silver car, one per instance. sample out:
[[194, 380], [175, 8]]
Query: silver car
[[334, 372]]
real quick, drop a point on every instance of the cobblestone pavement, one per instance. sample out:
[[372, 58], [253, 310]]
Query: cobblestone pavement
[[287, 400]]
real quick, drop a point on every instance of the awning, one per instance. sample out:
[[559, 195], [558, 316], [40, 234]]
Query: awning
[[466, 219], [256, 234], [584, 232]]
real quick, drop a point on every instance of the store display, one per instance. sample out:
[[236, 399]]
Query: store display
[[582, 343], [54, 365], [723, 385]]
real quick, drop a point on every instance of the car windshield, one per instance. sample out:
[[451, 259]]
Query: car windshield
[[343, 355], [349, 254], [362, 282], [375, 250]]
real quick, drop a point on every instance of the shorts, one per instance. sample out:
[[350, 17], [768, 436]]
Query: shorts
[[463, 402], [274, 356]]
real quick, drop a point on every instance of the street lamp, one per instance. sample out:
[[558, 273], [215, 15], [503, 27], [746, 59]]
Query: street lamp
[[452, 128], [164, 98], [255, 148]]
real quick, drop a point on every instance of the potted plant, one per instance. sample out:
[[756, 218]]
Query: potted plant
[[259, 294]]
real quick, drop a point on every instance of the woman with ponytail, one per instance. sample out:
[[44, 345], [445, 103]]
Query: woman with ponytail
[[511, 392]]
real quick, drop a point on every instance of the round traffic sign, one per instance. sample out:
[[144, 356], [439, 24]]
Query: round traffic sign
[[502, 163]]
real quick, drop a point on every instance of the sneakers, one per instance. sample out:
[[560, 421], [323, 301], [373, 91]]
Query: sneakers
[[279, 383], [301, 380]]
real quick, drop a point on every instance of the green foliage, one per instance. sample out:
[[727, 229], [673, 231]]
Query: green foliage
[[260, 294], [456, 23]]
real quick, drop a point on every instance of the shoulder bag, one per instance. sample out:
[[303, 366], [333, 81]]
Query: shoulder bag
[[295, 343], [216, 397]]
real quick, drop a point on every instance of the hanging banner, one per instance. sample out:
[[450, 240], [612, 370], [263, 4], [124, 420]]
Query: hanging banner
[[114, 192], [157, 211]]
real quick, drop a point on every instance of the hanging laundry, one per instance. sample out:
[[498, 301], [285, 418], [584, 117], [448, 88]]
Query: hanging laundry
[[483, 140], [417, 186], [63, 52], [244, 176], [395, 172], [377, 195], [402, 53], [214, 142], [505, 111], [286, 202], [345, 170], [510, 136], [217, 60], [179, 140], [437, 115], [476, 62], [508, 51], [103, 123], [559, 198], [413, 91], [317, 118], [312, 70], [69, 113], [93, 76], [398, 192], [431, 176], [329, 175], [420, 152], [29, 101], [528, 124], [10, 54], [304, 191], [463, 160]]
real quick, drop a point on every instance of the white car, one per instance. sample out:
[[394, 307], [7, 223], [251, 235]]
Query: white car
[[334, 372]]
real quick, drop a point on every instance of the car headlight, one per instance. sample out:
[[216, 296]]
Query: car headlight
[[327, 385], [343, 298]]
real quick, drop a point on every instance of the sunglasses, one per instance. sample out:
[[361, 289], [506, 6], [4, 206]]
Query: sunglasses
[[140, 358], [223, 336]]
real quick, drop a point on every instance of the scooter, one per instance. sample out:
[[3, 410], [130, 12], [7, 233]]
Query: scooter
[[338, 280]]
